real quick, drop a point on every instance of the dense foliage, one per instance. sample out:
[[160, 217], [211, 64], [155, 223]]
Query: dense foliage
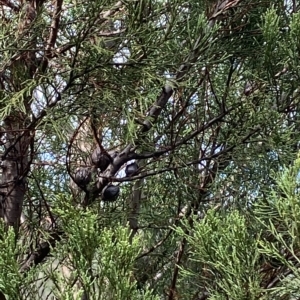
[[149, 149]]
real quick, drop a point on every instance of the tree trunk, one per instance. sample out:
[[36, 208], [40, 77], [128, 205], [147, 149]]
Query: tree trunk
[[15, 167], [15, 160]]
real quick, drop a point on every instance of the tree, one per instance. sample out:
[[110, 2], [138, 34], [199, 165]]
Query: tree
[[201, 95], [250, 255]]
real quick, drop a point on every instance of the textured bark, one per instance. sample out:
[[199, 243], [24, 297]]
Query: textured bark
[[15, 159], [17, 136], [134, 205], [15, 168]]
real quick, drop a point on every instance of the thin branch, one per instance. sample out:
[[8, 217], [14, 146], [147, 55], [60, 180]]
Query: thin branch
[[53, 33]]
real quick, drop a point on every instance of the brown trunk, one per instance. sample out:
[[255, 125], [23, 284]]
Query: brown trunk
[[2, 297], [15, 167], [15, 159]]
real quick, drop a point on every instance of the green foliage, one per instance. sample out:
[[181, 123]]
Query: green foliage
[[10, 279], [211, 150], [278, 215], [102, 259], [99, 259], [225, 252], [235, 254]]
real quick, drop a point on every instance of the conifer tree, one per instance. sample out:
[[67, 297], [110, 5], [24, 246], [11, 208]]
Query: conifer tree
[[140, 142]]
